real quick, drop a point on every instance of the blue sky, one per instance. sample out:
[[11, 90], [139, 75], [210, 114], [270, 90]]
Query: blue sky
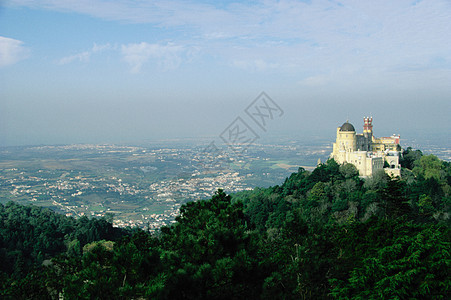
[[79, 71]]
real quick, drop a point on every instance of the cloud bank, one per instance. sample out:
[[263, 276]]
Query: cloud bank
[[317, 39], [12, 51], [85, 55], [167, 56]]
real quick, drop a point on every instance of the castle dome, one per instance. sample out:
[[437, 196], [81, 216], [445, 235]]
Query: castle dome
[[347, 127]]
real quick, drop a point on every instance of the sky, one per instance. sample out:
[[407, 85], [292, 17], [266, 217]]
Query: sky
[[104, 71]]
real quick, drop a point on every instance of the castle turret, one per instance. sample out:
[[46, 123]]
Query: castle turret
[[346, 139], [368, 133], [345, 143], [368, 124]]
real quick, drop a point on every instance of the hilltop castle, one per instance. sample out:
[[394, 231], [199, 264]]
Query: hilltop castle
[[365, 151]]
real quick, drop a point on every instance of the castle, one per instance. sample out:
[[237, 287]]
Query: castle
[[366, 152]]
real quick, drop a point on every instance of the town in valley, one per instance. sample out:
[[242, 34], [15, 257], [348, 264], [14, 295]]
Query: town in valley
[[144, 186]]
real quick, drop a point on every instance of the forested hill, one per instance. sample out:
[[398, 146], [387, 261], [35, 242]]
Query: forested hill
[[324, 234]]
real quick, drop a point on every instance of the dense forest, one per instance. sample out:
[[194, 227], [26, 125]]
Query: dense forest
[[325, 234]]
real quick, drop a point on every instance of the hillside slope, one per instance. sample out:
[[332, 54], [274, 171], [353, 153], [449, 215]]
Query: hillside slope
[[321, 234]]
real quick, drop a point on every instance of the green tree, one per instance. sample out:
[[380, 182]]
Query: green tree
[[409, 156], [429, 166], [411, 263], [349, 171], [394, 200]]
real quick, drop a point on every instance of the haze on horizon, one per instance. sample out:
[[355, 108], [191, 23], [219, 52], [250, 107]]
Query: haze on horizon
[[94, 71]]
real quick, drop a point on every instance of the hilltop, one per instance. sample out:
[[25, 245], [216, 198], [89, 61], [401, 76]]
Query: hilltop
[[321, 234]]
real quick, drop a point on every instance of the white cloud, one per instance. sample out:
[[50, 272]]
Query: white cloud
[[316, 37], [12, 51], [82, 57], [85, 55], [167, 56], [99, 48], [254, 65], [315, 81]]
